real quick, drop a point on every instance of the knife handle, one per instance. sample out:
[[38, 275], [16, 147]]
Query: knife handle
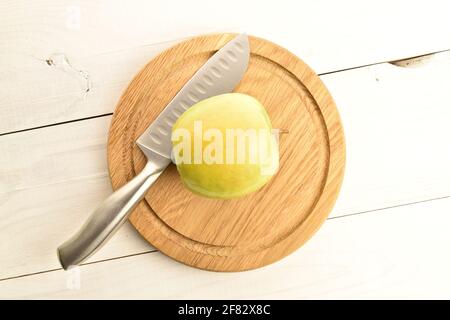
[[107, 218]]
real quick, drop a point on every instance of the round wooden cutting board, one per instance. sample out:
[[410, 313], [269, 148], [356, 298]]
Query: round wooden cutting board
[[263, 227]]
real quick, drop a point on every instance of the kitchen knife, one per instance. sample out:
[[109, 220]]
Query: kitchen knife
[[220, 74]]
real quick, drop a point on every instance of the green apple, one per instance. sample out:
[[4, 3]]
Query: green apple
[[224, 146]]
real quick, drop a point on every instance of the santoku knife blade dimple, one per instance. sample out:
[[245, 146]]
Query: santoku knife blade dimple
[[220, 74]]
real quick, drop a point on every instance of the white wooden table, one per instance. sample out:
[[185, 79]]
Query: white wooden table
[[64, 64]]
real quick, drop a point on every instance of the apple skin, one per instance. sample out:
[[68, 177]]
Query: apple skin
[[227, 179]]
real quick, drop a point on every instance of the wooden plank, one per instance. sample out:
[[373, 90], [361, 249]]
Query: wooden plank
[[46, 44], [51, 179], [396, 131], [396, 253], [396, 125]]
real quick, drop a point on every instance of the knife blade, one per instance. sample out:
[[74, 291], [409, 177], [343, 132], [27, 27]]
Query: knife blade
[[220, 74]]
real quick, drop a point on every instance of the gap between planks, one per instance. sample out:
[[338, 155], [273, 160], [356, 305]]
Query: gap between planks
[[83, 264], [57, 124]]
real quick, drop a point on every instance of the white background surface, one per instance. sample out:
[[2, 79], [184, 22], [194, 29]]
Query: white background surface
[[388, 234]]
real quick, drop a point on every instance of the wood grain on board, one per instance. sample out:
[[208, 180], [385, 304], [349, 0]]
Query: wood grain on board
[[246, 233]]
